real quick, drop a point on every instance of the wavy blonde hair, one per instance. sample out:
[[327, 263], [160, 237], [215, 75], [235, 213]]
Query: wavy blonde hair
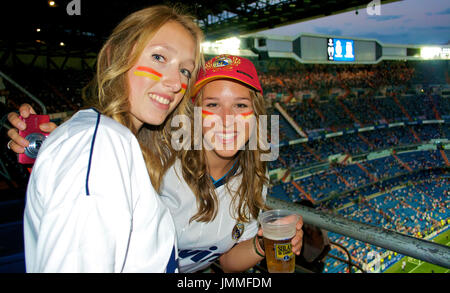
[[247, 201], [109, 90]]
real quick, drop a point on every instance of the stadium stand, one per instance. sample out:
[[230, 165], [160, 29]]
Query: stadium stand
[[403, 188]]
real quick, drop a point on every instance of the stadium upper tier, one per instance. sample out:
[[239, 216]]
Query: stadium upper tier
[[318, 151], [337, 114]]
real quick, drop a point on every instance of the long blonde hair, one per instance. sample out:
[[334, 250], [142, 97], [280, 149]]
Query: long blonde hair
[[109, 89], [247, 201]]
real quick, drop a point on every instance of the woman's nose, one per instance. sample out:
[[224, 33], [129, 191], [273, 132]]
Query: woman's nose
[[227, 116], [172, 80]]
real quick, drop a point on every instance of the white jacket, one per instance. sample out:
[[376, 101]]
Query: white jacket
[[201, 243], [91, 206]]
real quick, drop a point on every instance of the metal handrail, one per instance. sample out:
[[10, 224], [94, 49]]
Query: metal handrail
[[39, 102], [349, 262], [425, 250]]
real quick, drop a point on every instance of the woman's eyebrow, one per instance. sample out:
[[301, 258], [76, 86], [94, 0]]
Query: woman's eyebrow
[[174, 51], [243, 98], [165, 46]]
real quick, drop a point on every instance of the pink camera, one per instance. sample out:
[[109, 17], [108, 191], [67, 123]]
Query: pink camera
[[34, 135]]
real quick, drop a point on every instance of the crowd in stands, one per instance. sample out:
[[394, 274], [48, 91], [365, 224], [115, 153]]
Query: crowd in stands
[[344, 178], [318, 151], [413, 209], [321, 76], [313, 115], [59, 91], [417, 209]]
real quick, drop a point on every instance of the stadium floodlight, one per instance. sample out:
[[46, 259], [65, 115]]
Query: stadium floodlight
[[225, 46], [230, 45], [445, 54], [206, 45], [430, 52]]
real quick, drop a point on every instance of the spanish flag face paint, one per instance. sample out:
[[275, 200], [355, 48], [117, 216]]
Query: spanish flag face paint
[[183, 88], [206, 114], [154, 75], [148, 72], [246, 115]]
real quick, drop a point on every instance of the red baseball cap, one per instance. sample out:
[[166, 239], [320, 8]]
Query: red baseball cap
[[228, 67]]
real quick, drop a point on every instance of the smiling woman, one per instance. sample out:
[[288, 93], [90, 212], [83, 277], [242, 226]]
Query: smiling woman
[[215, 192], [91, 205]]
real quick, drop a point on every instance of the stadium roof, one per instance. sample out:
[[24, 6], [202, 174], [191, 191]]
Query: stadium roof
[[40, 27]]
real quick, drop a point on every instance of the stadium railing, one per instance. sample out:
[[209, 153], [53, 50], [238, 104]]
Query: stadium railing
[[421, 249]]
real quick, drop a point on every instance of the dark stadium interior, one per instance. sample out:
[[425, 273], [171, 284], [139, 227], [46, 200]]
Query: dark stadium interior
[[394, 174], [247, 16]]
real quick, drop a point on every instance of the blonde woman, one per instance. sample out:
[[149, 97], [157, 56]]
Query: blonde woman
[[217, 186], [92, 204]]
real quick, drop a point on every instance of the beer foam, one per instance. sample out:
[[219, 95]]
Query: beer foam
[[278, 224], [277, 234]]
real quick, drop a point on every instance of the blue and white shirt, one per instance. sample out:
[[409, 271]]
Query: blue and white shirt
[[201, 243], [91, 206]]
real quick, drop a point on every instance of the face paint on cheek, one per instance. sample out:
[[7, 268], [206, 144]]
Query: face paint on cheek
[[211, 119], [183, 88], [246, 115], [206, 114], [148, 72]]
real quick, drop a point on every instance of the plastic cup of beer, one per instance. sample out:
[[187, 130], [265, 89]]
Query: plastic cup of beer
[[278, 230]]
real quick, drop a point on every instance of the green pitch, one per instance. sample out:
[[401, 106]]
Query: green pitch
[[416, 266]]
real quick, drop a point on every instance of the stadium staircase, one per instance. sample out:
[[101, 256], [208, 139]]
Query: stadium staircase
[[444, 156], [290, 120], [341, 147], [342, 178], [288, 171], [402, 163], [349, 113], [372, 177], [311, 104], [303, 192], [344, 162], [286, 174], [415, 134], [363, 138], [372, 106], [394, 96], [435, 111], [311, 151]]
